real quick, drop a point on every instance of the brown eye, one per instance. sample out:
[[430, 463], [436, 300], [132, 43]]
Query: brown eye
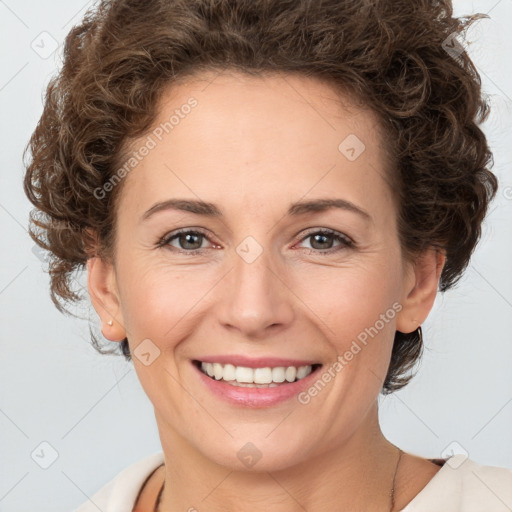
[[322, 241], [190, 240], [187, 241]]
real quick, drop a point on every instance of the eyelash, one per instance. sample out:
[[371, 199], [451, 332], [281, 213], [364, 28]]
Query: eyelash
[[346, 242]]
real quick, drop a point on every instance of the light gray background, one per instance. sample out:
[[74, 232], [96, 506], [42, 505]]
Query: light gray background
[[91, 409]]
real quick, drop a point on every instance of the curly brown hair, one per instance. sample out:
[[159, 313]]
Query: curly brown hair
[[402, 59]]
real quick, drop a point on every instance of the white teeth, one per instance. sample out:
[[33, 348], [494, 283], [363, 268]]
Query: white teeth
[[252, 385], [303, 371], [278, 374], [255, 377], [217, 371], [262, 375], [243, 374], [290, 373], [229, 372]]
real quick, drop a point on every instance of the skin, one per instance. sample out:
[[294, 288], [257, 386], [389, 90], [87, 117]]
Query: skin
[[252, 146]]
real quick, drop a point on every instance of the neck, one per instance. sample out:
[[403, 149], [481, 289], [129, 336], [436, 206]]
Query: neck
[[354, 475]]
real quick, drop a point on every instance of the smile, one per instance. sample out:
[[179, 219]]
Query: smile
[[265, 377]]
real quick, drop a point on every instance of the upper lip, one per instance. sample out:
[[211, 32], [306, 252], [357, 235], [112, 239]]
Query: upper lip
[[256, 362]]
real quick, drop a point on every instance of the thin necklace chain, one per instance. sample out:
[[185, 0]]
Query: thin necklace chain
[[392, 494], [400, 452]]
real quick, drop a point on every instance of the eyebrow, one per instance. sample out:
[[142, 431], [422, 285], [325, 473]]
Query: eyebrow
[[295, 209]]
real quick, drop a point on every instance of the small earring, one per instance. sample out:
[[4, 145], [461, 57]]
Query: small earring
[[110, 322]]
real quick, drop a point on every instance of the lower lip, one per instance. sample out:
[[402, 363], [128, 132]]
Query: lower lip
[[256, 397]]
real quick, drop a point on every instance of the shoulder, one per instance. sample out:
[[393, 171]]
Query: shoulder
[[120, 494], [463, 485]]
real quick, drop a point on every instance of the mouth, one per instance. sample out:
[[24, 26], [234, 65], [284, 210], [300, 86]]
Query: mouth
[[264, 377]]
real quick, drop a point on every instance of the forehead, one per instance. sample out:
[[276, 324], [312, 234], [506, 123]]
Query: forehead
[[293, 106], [269, 138]]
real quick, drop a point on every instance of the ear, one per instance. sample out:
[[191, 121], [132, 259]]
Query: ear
[[420, 289], [101, 282]]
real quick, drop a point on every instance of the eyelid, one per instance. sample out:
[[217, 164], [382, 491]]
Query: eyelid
[[346, 241], [327, 231], [166, 239]]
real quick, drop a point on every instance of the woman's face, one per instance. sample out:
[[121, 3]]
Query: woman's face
[[256, 284]]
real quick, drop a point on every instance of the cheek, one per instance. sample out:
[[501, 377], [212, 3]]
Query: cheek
[[357, 307], [159, 301], [348, 300]]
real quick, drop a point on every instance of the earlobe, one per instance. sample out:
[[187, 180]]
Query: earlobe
[[104, 296], [420, 289]]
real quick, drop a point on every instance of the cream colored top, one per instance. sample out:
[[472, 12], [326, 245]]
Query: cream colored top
[[461, 485]]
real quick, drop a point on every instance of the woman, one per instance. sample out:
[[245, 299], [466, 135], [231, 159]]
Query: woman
[[187, 153]]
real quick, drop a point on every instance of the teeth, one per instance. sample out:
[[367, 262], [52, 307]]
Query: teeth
[[243, 374], [229, 372], [217, 371], [251, 385], [262, 375], [290, 373], [255, 377], [278, 374], [303, 371]]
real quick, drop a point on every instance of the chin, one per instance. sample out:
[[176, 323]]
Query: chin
[[259, 455]]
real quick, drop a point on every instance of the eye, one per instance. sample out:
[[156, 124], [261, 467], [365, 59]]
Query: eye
[[322, 240], [188, 240]]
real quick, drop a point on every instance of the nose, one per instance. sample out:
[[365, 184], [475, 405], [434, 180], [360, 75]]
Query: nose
[[255, 298]]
